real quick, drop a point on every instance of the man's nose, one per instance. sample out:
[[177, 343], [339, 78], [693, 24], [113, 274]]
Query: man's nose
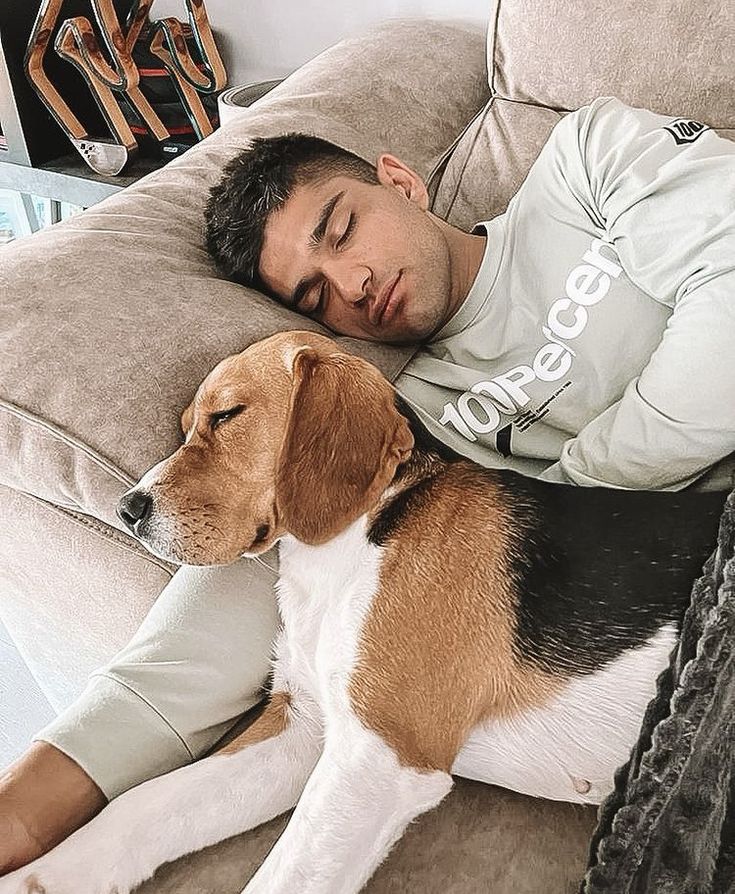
[[134, 507], [350, 281]]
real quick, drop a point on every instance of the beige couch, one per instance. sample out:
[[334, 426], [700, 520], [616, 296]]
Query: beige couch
[[110, 320]]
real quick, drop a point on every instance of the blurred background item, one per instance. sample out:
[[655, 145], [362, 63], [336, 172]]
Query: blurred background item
[[140, 86]]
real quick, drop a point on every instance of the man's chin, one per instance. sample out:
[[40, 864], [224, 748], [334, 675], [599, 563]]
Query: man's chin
[[399, 338], [383, 338], [417, 334], [399, 332]]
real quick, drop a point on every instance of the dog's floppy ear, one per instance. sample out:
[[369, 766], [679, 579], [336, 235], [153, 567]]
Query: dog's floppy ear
[[343, 443]]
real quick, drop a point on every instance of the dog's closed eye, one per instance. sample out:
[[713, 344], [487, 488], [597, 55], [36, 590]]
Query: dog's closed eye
[[217, 419]]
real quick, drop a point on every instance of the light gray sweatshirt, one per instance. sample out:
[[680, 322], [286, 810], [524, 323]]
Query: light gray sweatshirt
[[600, 330]]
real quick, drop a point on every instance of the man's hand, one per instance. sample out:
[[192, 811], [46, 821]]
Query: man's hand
[[44, 797]]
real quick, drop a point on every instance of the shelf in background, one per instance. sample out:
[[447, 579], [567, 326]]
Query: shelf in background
[[69, 179]]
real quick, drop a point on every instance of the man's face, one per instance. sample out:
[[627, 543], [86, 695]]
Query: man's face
[[366, 260]]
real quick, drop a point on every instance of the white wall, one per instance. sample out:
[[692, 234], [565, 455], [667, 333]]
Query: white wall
[[262, 39]]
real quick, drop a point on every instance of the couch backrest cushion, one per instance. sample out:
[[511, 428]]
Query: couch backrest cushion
[[548, 58], [671, 56]]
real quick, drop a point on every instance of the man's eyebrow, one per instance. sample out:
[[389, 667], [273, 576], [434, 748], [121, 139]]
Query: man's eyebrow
[[321, 228], [314, 240], [301, 289]]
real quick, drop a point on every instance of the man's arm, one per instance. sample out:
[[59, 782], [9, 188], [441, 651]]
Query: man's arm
[[665, 191], [44, 797], [196, 664]]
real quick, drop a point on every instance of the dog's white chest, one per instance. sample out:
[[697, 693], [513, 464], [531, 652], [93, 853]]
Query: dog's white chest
[[324, 594]]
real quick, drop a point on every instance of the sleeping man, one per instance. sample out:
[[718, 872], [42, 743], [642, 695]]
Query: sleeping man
[[584, 336]]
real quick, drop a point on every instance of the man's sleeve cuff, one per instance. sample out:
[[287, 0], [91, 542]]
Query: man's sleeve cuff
[[116, 737], [555, 474]]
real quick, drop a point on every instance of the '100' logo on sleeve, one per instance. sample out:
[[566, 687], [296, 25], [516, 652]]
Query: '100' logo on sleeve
[[684, 130]]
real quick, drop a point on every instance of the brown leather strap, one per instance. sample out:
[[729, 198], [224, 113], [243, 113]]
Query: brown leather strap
[[205, 41], [214, 77], [49, 95], [188, 94], [123, 72], [68, 46]]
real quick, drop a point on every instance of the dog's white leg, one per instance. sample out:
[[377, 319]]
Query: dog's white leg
[[355, 806], [259, 776]]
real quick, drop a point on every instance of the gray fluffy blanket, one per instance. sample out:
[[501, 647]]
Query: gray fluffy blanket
[[668, 827]]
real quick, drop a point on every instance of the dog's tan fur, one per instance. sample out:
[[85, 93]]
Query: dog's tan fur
[[279, 482], [271, 723], [414, 633]]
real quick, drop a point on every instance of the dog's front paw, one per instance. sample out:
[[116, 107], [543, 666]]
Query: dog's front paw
[[24, 882], [49, 876]]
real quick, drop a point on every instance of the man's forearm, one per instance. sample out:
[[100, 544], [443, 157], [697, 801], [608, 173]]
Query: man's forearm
[[44, 797], [196, 664]]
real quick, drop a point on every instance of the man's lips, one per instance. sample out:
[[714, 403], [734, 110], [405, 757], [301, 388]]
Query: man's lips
[[384, 303]]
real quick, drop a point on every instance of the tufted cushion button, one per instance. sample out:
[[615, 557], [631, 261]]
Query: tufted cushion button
[[582, 786]]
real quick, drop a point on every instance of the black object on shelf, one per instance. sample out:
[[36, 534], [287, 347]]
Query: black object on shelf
[[30, 135], [66, 78], [158, 88], [67, 178]]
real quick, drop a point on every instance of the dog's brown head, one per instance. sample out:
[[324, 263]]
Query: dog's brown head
[[293, 436]]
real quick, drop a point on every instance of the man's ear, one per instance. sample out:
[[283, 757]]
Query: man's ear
[[342, 446], [393, 172]]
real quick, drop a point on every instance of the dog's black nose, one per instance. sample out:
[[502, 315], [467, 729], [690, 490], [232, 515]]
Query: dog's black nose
[[134, 508]]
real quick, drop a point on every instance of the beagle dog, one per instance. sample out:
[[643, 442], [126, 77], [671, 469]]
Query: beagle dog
[[438, 618]]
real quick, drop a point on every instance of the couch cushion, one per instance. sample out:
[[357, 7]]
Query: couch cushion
[[109, 321], [491, 161], [671, 56], [479, 840], [73, 591], [547, 59]]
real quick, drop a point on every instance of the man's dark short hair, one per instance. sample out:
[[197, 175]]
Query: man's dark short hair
[[259, 181]]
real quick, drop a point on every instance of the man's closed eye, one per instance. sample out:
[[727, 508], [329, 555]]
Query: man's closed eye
[[349, 229]]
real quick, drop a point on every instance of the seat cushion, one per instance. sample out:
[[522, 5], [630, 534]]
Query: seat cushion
[[110, 320], [479, 840]]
